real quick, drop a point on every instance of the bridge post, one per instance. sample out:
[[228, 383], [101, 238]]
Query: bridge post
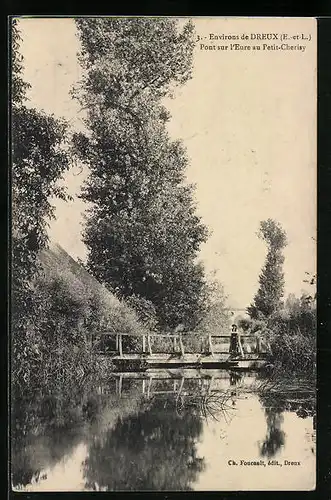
[[120, 385], [181, 345], [241, 351], [144, 343], [120, 345], [258, 345], [149, 344], [210, 344]]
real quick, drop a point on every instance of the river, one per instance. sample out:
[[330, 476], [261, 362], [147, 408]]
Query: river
[[166, 430]]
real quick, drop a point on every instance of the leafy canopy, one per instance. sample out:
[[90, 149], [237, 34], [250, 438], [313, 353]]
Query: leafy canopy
[[271, 281], [142, 232]]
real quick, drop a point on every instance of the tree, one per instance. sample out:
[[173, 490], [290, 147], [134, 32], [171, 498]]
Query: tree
[[142, 232], [271, 290], [38, 162], [214, 318]]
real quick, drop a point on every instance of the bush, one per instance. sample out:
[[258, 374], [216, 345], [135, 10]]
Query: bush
[[294, 352], [52, 338]]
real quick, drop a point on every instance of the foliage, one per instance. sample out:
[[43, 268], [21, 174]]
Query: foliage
[[18, 85], [271, 290], [145, 311], [142, 232], [297, 315], [292, 334], [39, 159], [215, 318], [245, 324], [66, 312], [294, 352], [38, 162], [147, 54]]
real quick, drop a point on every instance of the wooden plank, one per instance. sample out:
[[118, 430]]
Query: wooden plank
[[162, 358], [167, 357], [162, 392], [173, 335], [171, 353]]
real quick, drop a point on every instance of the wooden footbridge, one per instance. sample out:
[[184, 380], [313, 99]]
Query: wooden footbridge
[[182, 349]]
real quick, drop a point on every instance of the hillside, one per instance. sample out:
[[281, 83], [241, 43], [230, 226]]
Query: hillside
[[55, 257], [79, 286]]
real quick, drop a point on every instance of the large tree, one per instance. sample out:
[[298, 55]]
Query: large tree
[[142, 232], [271, 281]]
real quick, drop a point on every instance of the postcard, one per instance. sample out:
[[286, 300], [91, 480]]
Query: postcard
[[163, 267]]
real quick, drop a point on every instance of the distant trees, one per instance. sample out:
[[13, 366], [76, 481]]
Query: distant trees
[[215, 318], [142, 232], [271, 281]]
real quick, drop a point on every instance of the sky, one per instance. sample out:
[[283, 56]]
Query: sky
[[248, 121]]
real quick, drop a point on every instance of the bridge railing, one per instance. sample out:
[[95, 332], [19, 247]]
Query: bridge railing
[[175, 343]]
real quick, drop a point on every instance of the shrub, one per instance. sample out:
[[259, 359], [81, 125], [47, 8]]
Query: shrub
[[295, 352]]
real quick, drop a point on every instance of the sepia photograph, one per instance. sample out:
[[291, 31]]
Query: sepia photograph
[[163, 253]]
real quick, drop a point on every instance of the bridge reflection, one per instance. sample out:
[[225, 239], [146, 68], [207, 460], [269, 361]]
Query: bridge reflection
[[178, 382]]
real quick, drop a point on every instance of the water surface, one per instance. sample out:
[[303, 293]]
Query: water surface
[[208, 432]]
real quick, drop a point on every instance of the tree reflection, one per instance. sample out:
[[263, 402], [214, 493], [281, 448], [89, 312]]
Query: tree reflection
[[275, 437], [46, 425], [152, 450], [280, 395]]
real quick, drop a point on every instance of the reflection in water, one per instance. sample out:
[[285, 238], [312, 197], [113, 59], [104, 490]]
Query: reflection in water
[[153, 450], [162, 438], [275, 438]]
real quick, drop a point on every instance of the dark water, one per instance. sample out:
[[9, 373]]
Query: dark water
[[165, 434]]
